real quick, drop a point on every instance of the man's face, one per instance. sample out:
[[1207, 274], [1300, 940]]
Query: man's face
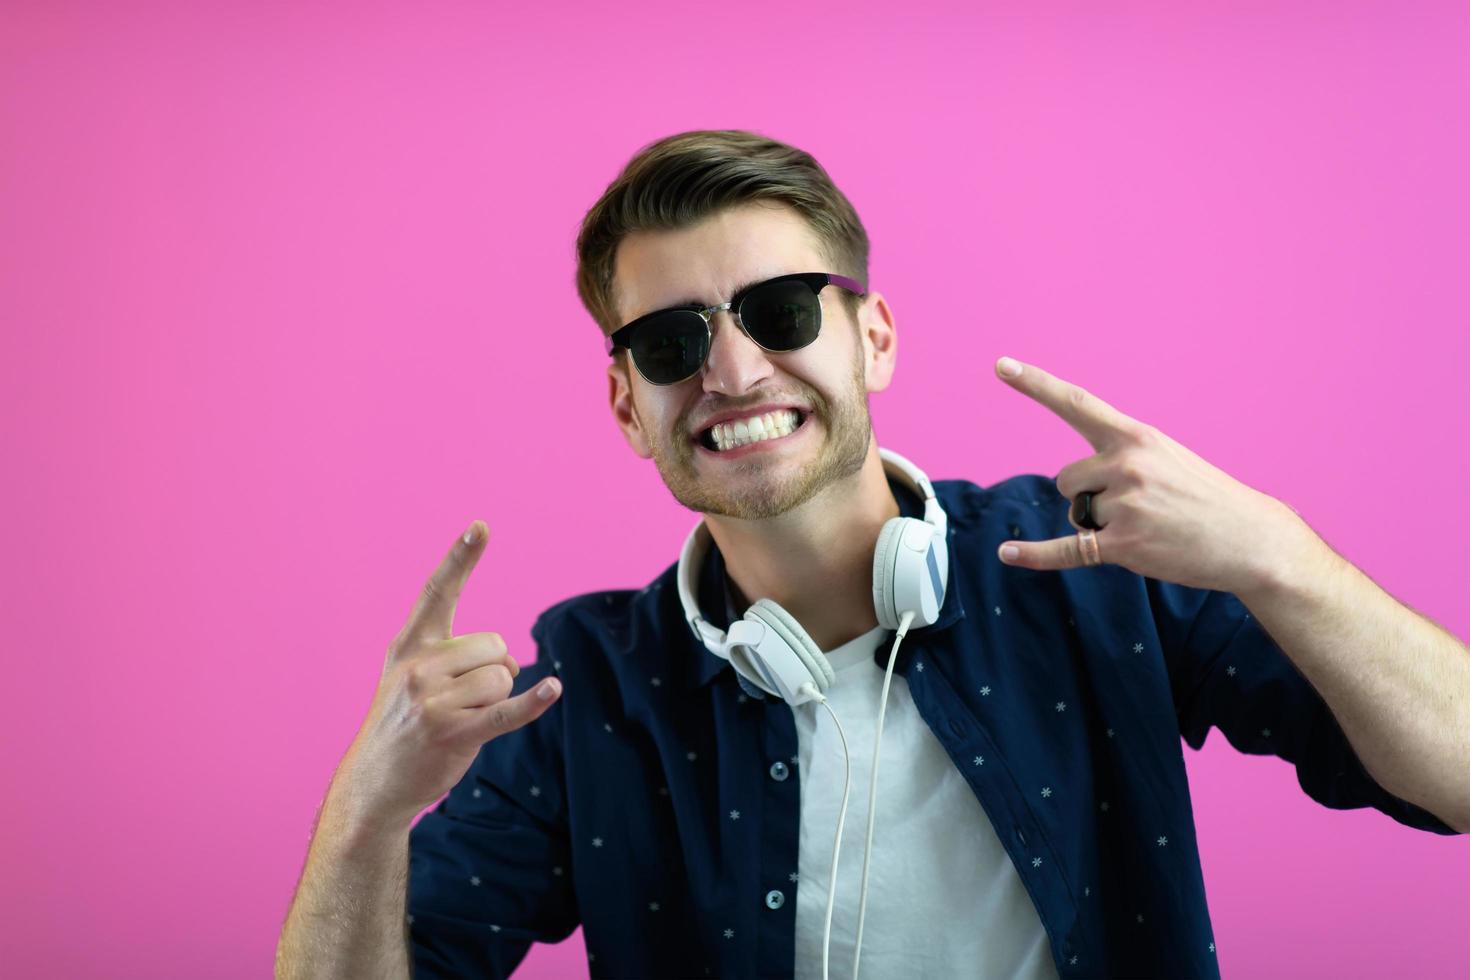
[[826, 382]]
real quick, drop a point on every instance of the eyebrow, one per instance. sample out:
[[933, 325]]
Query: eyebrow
[[736, 292]]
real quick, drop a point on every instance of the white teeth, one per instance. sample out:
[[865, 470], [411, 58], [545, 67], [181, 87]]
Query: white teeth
[[742, 432]]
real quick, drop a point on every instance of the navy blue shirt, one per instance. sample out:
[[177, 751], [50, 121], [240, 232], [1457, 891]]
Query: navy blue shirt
[[656, 804]]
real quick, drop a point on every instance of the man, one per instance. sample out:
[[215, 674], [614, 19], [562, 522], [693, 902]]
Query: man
[[1034, 818]]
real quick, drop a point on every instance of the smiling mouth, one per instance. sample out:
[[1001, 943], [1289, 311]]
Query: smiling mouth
[[761, 428]]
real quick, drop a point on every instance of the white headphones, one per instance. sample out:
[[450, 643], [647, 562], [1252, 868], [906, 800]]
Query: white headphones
[[769, 648]]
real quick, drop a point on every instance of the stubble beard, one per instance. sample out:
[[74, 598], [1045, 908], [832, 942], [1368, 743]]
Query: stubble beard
[[758, 488]]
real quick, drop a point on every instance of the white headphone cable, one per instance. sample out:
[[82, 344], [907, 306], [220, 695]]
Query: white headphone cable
[[903, 628], [811, 691]]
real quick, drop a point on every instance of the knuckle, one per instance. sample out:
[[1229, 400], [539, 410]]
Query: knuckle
[[424, 713], [502, 718], [1144, 435], [1131, 469], [497, 644], [500, 680], [416, 679], [1077, 397]]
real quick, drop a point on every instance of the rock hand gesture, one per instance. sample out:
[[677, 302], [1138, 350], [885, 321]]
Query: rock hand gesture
[[440, 698]]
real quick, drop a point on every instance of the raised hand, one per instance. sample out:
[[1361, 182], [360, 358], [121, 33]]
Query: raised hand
[[440, 698], [1165, 512]]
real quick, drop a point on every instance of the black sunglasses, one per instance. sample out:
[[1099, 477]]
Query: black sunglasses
[[780, 314]]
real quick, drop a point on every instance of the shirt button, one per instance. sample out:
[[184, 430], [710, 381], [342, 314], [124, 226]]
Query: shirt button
[[779, 772], [775, 899]]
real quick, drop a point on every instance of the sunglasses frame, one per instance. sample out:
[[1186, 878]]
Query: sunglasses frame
[[623, 336]]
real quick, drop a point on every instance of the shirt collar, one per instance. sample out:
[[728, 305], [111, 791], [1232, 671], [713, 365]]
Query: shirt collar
[[714, 590]]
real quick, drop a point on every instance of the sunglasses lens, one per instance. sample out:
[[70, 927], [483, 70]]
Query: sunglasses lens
[[783, 315], [670, 348]]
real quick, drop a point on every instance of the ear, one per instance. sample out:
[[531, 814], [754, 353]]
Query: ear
[[620, 399], [879, 337]]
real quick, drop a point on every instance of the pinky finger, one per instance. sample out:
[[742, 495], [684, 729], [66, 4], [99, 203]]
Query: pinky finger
[[524, 708]]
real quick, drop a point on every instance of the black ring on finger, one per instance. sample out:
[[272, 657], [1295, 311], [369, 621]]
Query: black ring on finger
[[1082, 511]]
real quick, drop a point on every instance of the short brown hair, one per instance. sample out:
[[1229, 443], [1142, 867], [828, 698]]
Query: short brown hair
[[679, 180]]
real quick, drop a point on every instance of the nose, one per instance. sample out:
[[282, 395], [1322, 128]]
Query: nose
[[736, 363]]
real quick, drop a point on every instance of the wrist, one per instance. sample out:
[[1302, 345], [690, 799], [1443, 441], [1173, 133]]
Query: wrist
[[353, 821], [1295, 558]]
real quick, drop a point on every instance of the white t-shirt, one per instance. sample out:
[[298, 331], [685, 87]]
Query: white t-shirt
[[944, 898]]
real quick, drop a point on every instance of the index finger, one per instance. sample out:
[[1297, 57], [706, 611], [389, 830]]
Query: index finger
[[1097, 421], [433, 615]]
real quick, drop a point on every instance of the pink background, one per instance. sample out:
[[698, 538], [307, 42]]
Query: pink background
[[287, 300]]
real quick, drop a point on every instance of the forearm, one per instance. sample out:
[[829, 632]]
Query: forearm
[[347, 917], [1397, 684]]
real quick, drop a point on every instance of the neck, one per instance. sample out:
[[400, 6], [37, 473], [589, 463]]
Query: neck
[[815, 560]]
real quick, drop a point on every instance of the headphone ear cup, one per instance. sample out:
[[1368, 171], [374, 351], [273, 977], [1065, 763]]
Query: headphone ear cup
[[784, 625], [906, 572], [883, 566]]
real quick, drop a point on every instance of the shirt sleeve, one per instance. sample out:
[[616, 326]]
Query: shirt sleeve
[[489, 867], [1226, 671]]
